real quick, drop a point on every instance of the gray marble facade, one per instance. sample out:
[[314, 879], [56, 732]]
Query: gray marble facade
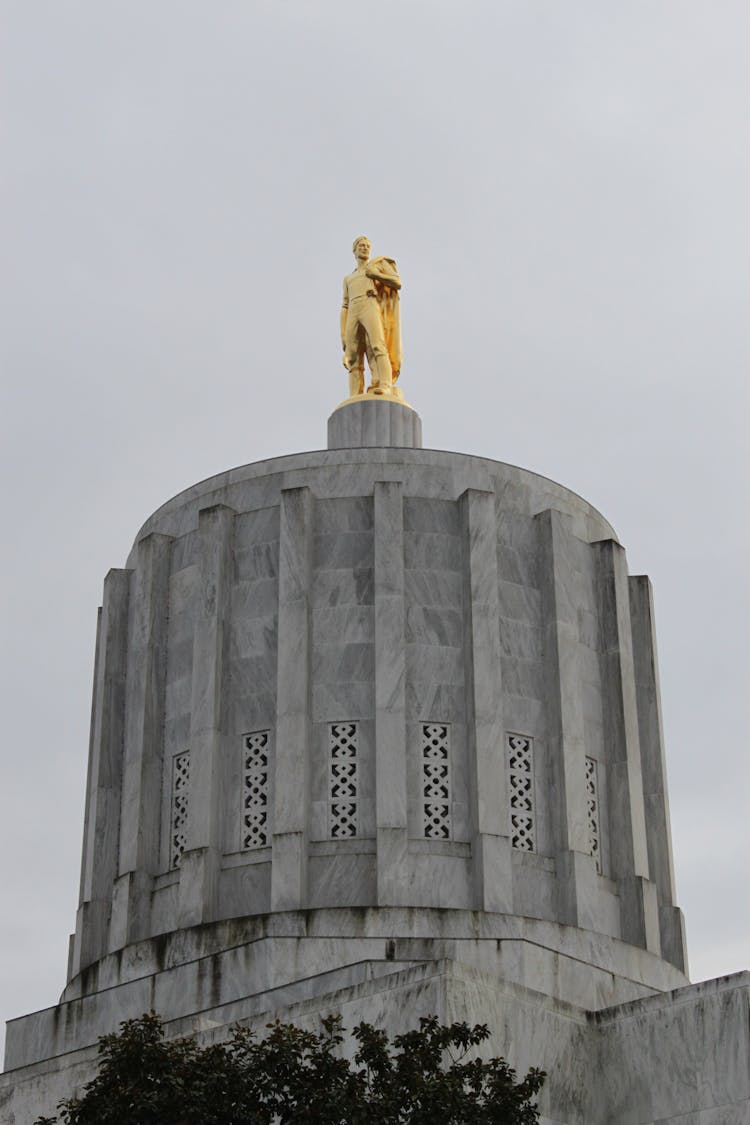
[[378, 714]]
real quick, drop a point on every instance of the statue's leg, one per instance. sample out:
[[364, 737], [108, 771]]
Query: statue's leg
[[354, 353], [357, 378], [377, 352]]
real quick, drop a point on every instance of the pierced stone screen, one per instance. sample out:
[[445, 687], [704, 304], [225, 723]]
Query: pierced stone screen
[[520, 752], [436, 781], [179, 809], [255, 748], [592, 812], [343, 780]]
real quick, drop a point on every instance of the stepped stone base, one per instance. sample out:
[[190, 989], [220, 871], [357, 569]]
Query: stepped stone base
[[616, 1046]]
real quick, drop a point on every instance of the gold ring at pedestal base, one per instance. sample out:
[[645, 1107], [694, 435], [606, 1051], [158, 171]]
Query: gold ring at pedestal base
[[395, 394]]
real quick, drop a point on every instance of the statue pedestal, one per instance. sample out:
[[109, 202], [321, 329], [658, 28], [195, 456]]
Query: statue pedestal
[[374, 420]]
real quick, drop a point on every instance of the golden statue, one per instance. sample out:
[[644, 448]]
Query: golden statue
[[371, 323]]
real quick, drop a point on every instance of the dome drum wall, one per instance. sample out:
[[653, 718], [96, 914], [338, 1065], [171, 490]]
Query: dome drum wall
[[376, 678]]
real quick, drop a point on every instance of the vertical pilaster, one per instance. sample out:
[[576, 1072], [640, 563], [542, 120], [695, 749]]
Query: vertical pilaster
[[576, 869], [493, 880], [142, 755], [627, 834], [99, 863], [290, 830], [654, 770], [200, 866], [390, 695]]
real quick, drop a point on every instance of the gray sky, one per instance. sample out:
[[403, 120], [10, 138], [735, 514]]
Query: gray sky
[[565, 186]]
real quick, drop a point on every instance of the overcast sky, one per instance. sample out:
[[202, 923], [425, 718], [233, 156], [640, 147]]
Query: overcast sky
[[565, 186]]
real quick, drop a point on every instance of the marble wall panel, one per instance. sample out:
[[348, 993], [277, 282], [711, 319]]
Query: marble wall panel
[[343, 587], [431, 551], [249, 711], [258, 560], [245, 889], [522, 677], [164, 908], [336, 550], [440, 880], [178, 695], [342, 880], [255, 597], [521, 640], [528, 716], [519, 603], [591, 700], [433, 587], [344, 513], [534, 887], [333, 701], [254, 674], [593, 733], [517, 566], [343, 663], [319, 819], [434, 625], [423, 515], [434, 664], [184, 550], [588, 629], [181, 598], [516, 530], [258, 526], [177, 734], [179, 653], [605, 908], [343, 624], [252, 638], [425, 698]]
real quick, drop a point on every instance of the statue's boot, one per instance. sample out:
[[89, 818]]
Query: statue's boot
[[382, 375]]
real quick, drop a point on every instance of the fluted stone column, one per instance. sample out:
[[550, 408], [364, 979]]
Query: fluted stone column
[[653, 767], [199, 870], [142, 755], [490, 848], [291, 790], [627, 835], [576, 869], [390, 696], [99, 863]]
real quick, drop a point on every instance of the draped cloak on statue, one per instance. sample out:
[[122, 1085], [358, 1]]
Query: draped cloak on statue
[[384, 272]]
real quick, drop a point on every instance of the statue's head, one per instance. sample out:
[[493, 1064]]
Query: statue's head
[[364, 241]]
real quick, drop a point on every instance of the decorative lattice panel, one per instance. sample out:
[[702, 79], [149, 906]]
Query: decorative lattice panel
[[343, 780], [521, 786], [592, 812], [179, 810], [255, 768], [436, 781]]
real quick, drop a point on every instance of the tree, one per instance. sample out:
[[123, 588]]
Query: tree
[[425, 1077]]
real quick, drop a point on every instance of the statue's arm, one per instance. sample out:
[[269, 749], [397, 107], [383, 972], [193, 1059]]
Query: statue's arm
[[344, 314]]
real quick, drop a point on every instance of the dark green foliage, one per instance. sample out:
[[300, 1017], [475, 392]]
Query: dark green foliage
[[425, 1077]]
